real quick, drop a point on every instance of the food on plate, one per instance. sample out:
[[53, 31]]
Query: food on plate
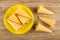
[[18, 19], [18, 24]]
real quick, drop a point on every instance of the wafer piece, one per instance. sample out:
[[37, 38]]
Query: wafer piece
[[43, 10], [14, 25], [14, 18], [23, 19], [48, 21], [22, 12], [40, 27]]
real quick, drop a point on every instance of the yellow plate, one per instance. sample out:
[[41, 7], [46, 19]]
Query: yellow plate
[[24, 28]]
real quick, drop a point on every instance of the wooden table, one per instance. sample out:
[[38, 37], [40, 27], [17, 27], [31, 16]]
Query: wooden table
[[53, 5]]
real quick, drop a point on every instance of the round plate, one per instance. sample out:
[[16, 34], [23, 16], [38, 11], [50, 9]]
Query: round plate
[[24, 28]]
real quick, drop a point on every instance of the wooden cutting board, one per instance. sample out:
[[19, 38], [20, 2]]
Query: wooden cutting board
[[53, 5]]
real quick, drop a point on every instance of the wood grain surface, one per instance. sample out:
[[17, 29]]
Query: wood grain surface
[[53, 5]]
